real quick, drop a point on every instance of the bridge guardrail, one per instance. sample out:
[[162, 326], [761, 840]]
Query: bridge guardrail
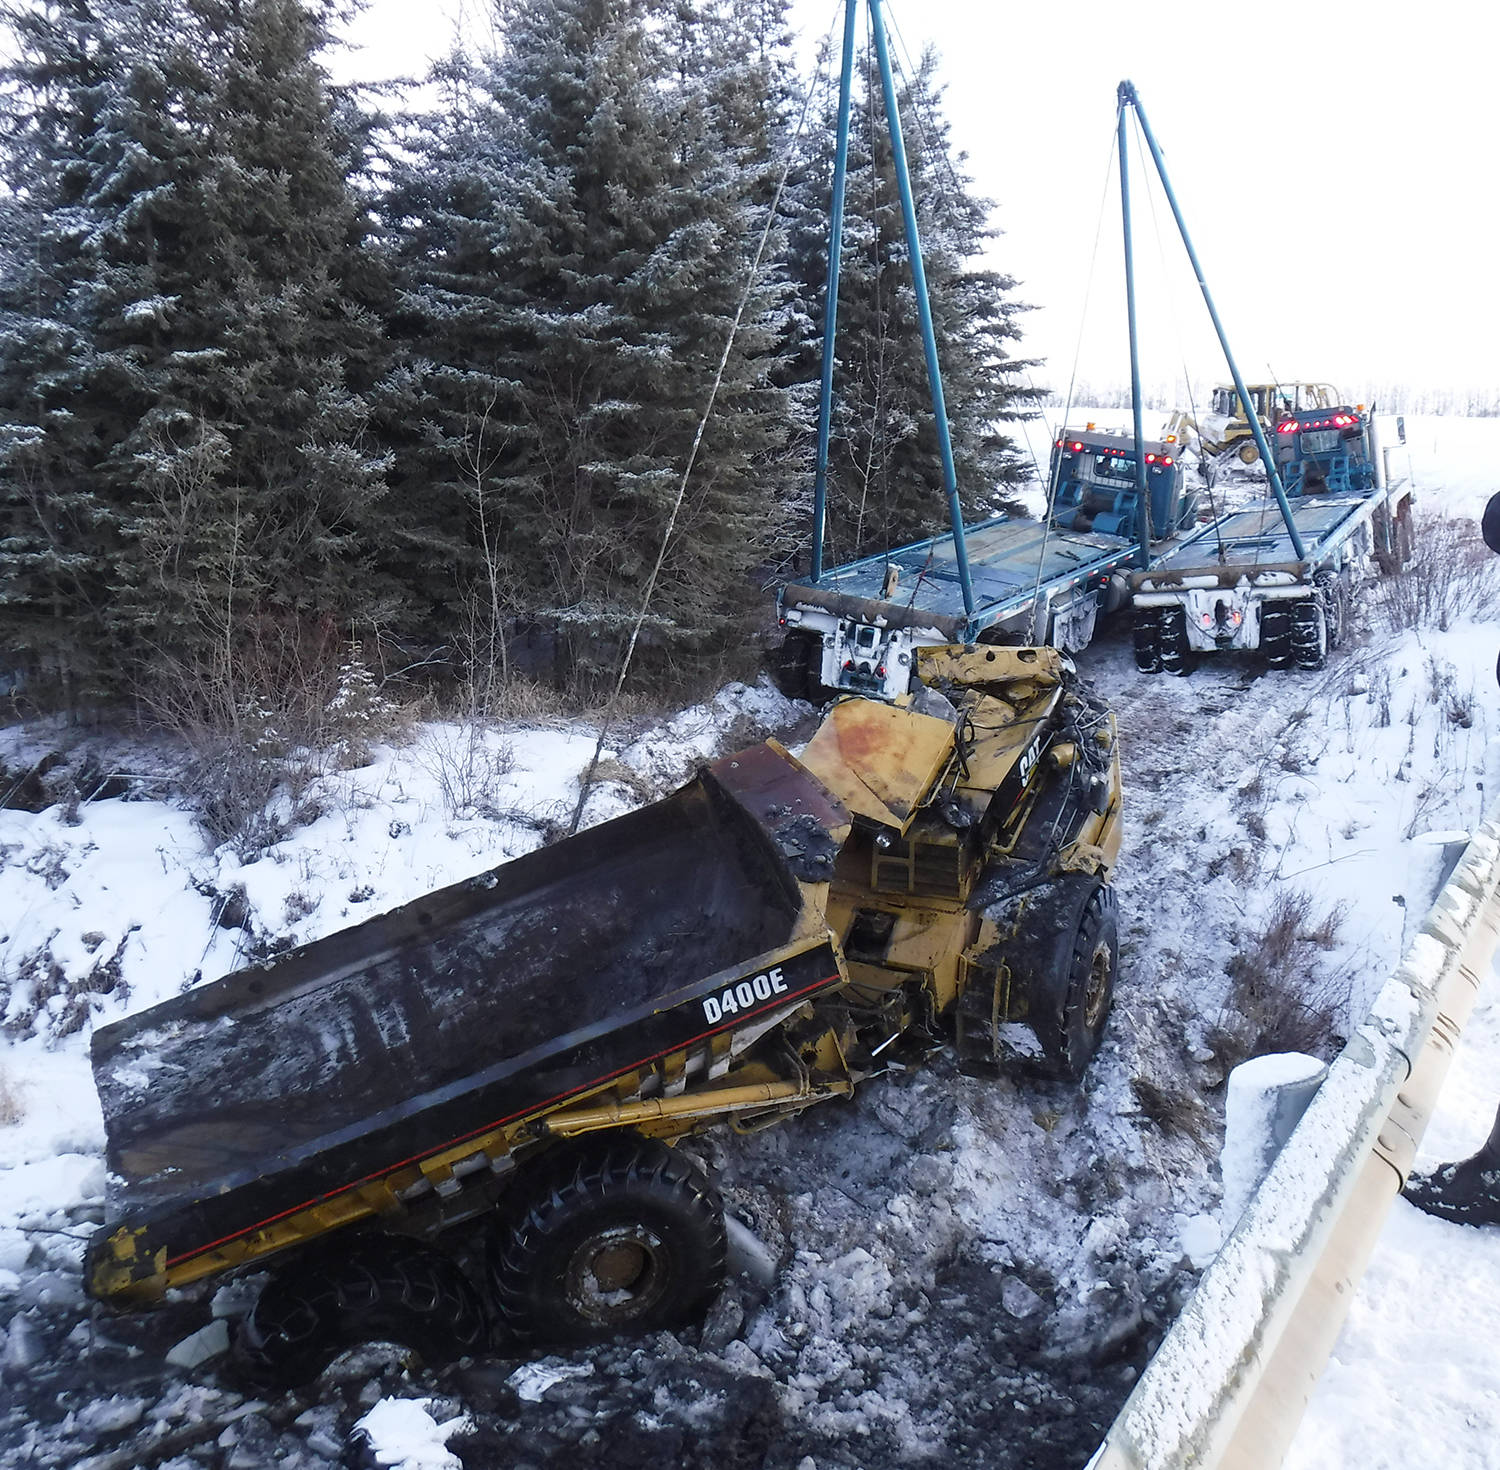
[[1228, 1386]]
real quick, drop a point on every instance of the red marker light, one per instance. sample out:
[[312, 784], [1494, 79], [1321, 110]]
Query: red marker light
[[1150, 459], [880, 669], [1167, 461], [1289, 427], [1077, 444]]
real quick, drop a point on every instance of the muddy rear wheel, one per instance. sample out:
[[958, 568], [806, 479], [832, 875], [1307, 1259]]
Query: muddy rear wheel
[[1148, 640], [375, 1288], [1309, 634], [1176, 654], [614, 1235], [1276, 634]]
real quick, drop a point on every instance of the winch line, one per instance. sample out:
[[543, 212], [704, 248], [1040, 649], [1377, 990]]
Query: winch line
[[586, 781]]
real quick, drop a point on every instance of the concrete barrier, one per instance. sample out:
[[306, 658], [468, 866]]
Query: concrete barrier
[[1230, 1382]]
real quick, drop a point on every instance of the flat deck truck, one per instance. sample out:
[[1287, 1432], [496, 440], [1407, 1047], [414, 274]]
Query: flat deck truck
[[1242, 584], [453, 1122], [856, 629]]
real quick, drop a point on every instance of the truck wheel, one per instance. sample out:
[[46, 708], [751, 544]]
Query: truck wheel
[[1176, 655], [1248, 452], [1335, 598], [615, 1235], [1276, 634], [1073, 982], [791, 665], [1148, 639], [378, 1288], [1309, 634], [1404, 538]]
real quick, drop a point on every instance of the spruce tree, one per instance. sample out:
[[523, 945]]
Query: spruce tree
[[59, 535], [570, 279], [885, 475], [210, 407]]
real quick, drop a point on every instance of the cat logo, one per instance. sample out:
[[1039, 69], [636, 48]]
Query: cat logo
[[1030, 759]]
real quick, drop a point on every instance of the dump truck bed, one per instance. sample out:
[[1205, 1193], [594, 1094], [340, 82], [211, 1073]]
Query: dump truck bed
[[509, 993]]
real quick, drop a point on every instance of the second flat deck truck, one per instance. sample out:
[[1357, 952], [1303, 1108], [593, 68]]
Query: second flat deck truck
[[857, 628], [451, 1125], [1281, 581]]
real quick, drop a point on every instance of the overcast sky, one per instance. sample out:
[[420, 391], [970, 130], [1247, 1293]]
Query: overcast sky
[[1336, 165]]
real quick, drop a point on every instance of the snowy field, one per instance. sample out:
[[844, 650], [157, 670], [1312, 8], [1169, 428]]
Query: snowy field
[[969, 1272]]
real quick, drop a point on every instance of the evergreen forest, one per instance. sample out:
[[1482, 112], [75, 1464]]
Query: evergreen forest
[[288, 368]]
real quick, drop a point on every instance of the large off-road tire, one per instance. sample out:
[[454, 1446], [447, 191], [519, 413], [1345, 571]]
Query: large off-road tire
[[1276, 634], [373, 1288], [795, 666], [1309, 633], [1067, 957], [1335, 597], [1247, 451], [1176, 654], [1148, 639], [619, 1234]]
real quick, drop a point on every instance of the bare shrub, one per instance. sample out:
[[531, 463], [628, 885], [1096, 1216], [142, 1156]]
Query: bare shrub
[[42, 987], [1452, 576], [468, 761], [1173, 1111], [1282, 997], [523, 701], [11, 1108], [607, 770]]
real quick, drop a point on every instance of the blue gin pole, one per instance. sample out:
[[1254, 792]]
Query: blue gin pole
[[924, 306], [831, 306]]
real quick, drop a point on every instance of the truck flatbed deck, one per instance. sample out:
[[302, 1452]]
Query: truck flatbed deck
[[1256, 537]]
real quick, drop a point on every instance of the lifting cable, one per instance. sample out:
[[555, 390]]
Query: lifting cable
[[921, 102], [1053, 474], [1161, 256], [751, 280], [876, 253]]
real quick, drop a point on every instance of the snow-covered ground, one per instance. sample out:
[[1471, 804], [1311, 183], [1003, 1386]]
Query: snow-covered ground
[[969, 1272]]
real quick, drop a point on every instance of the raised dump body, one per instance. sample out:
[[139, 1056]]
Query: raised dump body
[[288, 1085]]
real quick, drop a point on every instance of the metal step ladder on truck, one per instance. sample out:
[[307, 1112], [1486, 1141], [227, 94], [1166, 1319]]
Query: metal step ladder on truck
[[857, 628], [451, 1126], [1280, 577]]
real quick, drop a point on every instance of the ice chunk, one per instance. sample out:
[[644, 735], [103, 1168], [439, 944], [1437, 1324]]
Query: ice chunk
[[401, 1434], [207, 1342]]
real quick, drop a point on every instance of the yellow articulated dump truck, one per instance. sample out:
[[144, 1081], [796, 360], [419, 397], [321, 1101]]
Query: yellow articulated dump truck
[[503, 1065]]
